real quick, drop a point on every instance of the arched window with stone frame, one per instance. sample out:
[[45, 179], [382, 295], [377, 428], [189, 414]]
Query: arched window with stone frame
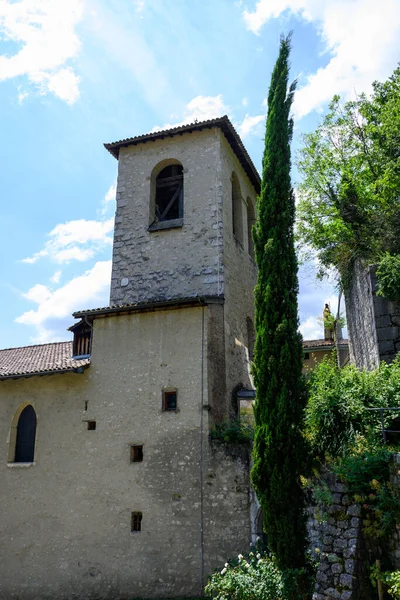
[[23, 435], [166, 195]]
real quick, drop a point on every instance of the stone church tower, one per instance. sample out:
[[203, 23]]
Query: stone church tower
[[124, 493]]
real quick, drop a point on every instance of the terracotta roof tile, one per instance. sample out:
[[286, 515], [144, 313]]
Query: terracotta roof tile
[[323, 343], [222, 122], [46, 358]]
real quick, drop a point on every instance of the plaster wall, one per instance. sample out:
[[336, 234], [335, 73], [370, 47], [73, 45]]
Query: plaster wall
[[182, 261], [65, 522]]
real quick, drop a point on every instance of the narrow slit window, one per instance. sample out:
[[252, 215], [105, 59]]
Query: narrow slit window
[[91, 425], [136, 521], [170, 400], [136, 453], [306, 355]]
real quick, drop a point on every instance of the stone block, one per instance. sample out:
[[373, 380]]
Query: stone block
[[350, 565], [334, 508], [386, 347], [383, 321], [346, 595], [339, 487], [347, 580], [387, 333], [350, 533], [332, 594], [336, 568], [321, 577], [336, 498], [346, 499], [354, 510], [339, 544], [327, 540], [342, 524], [355, 522]]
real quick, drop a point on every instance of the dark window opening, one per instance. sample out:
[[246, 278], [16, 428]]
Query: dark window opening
[[136, 453], [86, 405], [170, 400], [169, 193], [26, 434], [306, 355], [91, 425], [136, 521]]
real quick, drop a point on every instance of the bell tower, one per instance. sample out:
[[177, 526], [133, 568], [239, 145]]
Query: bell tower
[[181, 194]]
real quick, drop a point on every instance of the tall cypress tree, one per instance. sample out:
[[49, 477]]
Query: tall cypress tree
[[279, 449]]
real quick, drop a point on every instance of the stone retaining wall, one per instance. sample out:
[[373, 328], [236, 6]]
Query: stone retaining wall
[[336, 542]]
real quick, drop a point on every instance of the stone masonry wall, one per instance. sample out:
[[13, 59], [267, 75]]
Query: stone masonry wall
[[335, 537], [373, 322], [182, 261]]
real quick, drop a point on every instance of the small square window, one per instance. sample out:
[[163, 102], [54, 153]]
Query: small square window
[[91, 425], [306, 355], [136, 453], [136, 521], [170, 400]]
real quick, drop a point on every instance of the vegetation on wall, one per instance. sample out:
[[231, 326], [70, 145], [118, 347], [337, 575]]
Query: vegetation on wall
[[350, 191], [336, 416], [279, 450]]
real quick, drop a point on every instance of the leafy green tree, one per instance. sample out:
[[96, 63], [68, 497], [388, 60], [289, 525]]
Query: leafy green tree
[[279, 450], [350, 190]]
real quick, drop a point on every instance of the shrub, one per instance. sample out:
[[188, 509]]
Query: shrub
[[256, 577], [388, 274], [336, 416], [233, 432]]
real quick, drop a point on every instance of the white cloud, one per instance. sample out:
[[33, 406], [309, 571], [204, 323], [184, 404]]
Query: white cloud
[[22, 95], [311, 329], [75, 240], [200, 108], [108, 198], [250, 125], [56, 277], [362, 37], [45, 29], [81, 292]]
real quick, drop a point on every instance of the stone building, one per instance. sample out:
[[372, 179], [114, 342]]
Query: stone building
[[316, 350], [110, 484], [373, 321]]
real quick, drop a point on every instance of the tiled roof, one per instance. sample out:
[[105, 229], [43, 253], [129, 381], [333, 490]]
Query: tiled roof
[[222, 122], [41, 360], [147, 305], [323, 343]]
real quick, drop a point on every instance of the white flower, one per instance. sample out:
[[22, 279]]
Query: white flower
[[240, 556], [226, 565], [223, 571]]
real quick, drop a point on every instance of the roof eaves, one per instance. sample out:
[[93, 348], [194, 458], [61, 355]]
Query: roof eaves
[[151, 305], [78, 369], [222, 122]]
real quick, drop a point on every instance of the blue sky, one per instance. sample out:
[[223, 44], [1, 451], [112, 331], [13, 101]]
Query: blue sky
[[77, 73]]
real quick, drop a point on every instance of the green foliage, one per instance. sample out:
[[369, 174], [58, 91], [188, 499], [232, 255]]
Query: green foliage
[[350, 192], [255, 576], [336, 418], [388, 273], [391, 579], [233, 432], [279, 451]]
